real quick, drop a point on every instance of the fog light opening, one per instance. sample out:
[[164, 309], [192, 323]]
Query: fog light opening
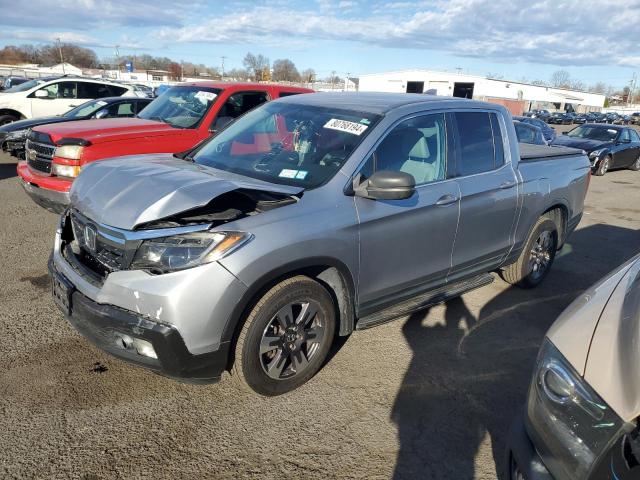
[[144, 348]]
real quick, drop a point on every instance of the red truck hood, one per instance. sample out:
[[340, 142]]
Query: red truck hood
[[108, 129]]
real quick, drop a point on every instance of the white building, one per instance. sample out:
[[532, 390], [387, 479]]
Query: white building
[[518, 97]]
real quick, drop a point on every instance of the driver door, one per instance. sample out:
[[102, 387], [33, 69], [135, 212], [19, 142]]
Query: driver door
[[406, 245], [61, 97]]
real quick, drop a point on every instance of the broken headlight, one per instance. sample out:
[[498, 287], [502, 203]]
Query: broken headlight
[[166, 254], [570, 425]]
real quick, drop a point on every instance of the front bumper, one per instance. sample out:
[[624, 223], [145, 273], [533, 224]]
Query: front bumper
[[522, 453], [106, 326], [52, 200]]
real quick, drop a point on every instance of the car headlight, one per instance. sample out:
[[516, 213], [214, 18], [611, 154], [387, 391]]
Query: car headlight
[[596, 153], [570, 424], [71, 152], [17, 135], [61, 170], [166, 254]]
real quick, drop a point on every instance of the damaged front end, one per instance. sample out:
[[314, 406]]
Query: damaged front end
[[168, 244]]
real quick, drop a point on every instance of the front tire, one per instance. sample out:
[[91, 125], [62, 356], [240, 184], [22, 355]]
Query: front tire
[[537, 256], [603, 166], [286, 337], [4, 119], [635, 166]]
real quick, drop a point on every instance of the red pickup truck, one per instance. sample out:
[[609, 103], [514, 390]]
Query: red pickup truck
[[176, 121]]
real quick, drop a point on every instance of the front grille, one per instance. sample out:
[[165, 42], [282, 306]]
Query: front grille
[[93, 250], [39, 155]]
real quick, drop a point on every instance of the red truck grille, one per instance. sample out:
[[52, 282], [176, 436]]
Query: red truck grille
[[39, 155]]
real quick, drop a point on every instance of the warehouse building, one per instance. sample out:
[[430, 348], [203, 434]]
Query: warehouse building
[[517, 97]]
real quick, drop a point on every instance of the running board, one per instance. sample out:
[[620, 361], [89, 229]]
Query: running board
[[424, 300]]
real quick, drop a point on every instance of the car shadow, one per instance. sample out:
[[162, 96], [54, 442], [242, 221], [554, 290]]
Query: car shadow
[[469, 374], [8, 170]]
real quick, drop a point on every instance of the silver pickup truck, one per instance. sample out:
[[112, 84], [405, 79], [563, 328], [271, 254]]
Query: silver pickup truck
[[307, 218]]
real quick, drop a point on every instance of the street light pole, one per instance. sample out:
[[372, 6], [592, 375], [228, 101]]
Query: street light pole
[[61, 57]]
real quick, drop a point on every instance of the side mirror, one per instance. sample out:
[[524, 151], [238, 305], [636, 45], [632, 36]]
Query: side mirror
[[625, 140], [386, 185], [565, 133], [41, 94], [102, 114]]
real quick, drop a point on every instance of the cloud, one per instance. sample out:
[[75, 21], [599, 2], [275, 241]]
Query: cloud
[[89, 14], [548, 32]]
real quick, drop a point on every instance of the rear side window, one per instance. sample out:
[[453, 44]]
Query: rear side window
[[288, 94], [238, 104], [115, 91], [92, 90], [477, 147]]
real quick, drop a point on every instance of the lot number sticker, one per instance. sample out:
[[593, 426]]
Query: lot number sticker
[[345, 126]]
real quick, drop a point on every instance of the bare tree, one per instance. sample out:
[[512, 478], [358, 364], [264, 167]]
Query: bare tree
[[599, 87], [541, 83], [256, 64], [560, 79], [285, 70], [308, 75]]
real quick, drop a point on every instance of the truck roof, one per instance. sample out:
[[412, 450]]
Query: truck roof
[[380, 103], [240, 85]]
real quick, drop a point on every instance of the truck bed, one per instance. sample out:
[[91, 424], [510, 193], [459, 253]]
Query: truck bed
[[530, 152]]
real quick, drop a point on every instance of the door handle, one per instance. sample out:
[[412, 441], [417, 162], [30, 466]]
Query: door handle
[[447, 200], [505, 185]]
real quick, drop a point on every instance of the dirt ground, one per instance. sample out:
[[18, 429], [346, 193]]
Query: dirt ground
[[429, 396]]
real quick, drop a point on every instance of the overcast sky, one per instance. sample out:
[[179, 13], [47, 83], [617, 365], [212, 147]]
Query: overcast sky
[[595, 40]]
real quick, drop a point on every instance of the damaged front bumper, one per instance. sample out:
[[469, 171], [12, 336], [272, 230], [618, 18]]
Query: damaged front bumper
[[116, 331], [173, 323]]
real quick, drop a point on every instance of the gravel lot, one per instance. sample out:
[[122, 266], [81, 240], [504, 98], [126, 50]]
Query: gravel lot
[[429, 396]]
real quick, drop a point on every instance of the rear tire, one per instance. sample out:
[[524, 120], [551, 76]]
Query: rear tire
[[536, 257], [603, 166], [286, 337], [4, 119]]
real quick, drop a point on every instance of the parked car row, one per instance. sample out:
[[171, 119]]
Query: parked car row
[[568, 118]]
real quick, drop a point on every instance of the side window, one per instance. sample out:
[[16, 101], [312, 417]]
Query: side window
[[114, 91], [236, 105], [52, 90], [67, 90], [524, 134], [120, 110], [498, 145], [92, 90], [475, 145], [140, 105], [288, 94], [416, 146], [624, 135], [634, 136]]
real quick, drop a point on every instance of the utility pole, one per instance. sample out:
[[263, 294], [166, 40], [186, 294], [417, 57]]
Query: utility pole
[[223, 58], [61, 57], [333, 76], [117, 62], [182, 70]]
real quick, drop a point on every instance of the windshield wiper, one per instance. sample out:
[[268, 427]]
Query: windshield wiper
[[160, 119]]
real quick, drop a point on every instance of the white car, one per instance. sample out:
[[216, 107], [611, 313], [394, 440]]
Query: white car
[[42, 97]]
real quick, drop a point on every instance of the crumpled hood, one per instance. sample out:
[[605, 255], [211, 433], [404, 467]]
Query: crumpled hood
[[581, 143], [129, 191]]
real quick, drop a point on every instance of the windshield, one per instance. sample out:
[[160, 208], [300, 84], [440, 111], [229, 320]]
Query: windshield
[[590, 132], [23, 87], [181, 107], [289, 144], [86, 109]]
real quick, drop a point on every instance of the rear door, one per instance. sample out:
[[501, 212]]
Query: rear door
[[489, 193], [406, 245], [624, 150]]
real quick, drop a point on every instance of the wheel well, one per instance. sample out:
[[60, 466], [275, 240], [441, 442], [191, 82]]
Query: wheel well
[[15, 113], [338, 283], [559, 214]]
